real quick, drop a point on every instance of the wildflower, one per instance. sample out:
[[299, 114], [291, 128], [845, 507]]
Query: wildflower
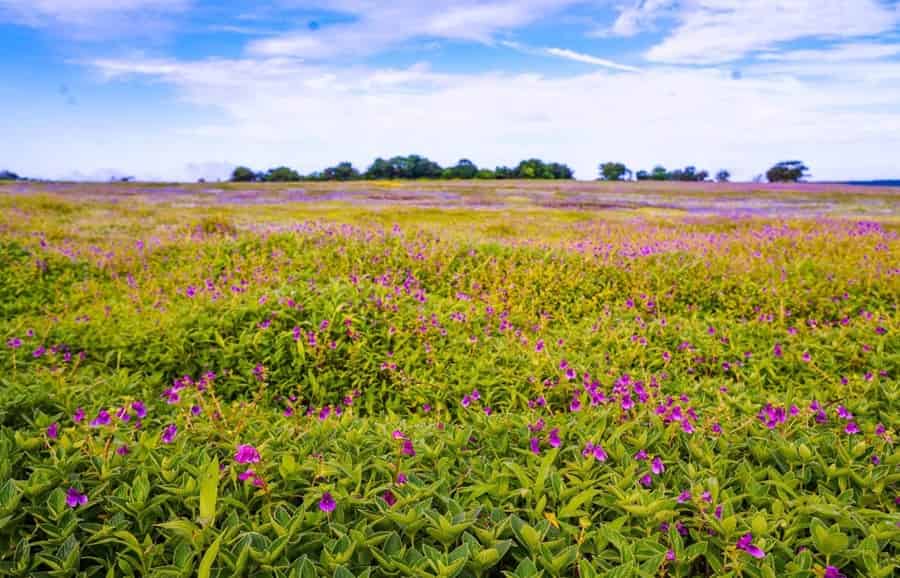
[[685, 496], [14, 343], [78, 416], [53, 431], [716, 428], [646, 480], [39, 352], [246, 454], [101, 419], [139, 409], [851, 428], [168, 435], [670, 555], [535, 446], [466, 400], [657, 466], [641, 455], [876, 460], [488, 410], [327, 503], [401, 479], [599, 453], [426, 408], [475, 395], [196, 410], [122, 450], [389, 498], [718, 512], [745, 543], [706, 497], [408, 449], [778, 352], [74, 498], [843, 413], [553, 438], [833, 572], [252, 476], [806, 356]]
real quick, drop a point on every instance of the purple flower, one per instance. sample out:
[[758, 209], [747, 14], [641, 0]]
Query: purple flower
[[851, 428], [246, 454], [327, 503], [122, 450], [168, 434], [876, 460], [718, 512], [535, 446], [53, 431], [14, 343], [843, 413], [74, 498], [745, 543], [196, 410], [139, 409], [833, 572], [101, 419], [553, 438], [685, 496], [408, 449], [646, 480], [426, 408], [466, 400], [641, 455], [475, 395], [670, 555], [657, 466], [78, 416], [599, 453], [39, 352], [389, 498], [401, 479]]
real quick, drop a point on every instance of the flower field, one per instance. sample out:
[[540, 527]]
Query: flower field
[[448, 382]]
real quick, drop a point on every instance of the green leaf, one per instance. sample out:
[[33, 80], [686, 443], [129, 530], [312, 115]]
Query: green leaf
[[203, 571], [209, 491]]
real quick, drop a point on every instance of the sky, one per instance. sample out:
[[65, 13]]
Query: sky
[[188, 89]]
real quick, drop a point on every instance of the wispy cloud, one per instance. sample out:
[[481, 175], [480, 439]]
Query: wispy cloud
[[377, 25], [588, 59], [89, 17], [716, 31]]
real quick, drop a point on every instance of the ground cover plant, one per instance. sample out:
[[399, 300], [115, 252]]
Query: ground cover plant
[[531, 382]]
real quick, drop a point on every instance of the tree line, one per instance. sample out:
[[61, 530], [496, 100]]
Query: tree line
[[419, 167], [409, 167]]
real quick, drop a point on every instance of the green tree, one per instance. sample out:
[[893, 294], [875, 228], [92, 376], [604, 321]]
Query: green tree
[[281, 175], [723, 176], [659, 173], [614, 171], [341, 172], [243, 175], [787, 172]]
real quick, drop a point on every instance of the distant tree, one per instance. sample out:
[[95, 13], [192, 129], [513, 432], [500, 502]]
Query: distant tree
[[281, 175], [642, 175], [614, 171], [380, 169], [723, 176], [485, 174], [464, 169], [8, 176], [504, 173], [242, 175], [659, 173], [341, 172], [787, 172], [702, 175]]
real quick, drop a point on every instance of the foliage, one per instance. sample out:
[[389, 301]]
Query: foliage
[[723, 176], [243, 175], [252, 391], [614, 171], [787, 172]]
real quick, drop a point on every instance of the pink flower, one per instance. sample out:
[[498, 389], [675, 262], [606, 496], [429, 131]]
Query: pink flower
[[745, 543], [851, 428], [657, 466], [74, 498], [246, 454], [553, 438], [535, 446], [327, 503], [168, 435], [408, 449], [389, 498], [833, 572], [78, 416], [53, 431]]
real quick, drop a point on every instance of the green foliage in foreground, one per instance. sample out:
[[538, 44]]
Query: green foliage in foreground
[[478, 397]]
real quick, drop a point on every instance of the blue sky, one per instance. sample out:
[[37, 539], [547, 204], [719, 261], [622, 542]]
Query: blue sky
[[182, 89]]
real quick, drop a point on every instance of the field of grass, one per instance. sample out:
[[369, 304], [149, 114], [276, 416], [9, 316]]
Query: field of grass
[[449, 379]]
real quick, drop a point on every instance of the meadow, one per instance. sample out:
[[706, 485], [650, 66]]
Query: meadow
[[440, 379]]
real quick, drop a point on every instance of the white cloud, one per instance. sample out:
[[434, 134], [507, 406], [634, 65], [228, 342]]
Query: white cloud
[[283, 111], [714, 31], [380, 24], [588, 59], [86, 14]]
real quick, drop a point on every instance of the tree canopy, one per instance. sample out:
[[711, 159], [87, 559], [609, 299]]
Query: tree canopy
[[787, 172], [614, 171], [8, 176]]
